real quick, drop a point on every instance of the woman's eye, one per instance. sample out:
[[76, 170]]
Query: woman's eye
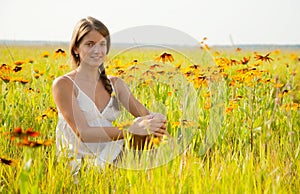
[[90, 44]]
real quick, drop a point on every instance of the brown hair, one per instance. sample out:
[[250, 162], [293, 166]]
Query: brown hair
[[83, 27]]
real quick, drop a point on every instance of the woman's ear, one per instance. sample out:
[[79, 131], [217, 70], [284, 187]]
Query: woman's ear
[[75, 50]]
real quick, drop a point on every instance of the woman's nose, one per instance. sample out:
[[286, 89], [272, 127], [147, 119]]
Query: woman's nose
[[97, 48]]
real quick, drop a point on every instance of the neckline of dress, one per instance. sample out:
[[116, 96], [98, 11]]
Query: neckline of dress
[[81, 91], [105, 107]]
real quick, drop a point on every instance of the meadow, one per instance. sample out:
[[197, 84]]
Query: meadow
[[234, 114]]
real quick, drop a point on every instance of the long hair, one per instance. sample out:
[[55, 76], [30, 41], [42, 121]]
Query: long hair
[[83, 27]]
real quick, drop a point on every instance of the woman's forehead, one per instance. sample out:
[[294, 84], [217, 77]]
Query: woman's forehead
[[94, 35]]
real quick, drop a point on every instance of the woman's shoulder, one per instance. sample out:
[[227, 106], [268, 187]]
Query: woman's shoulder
[[63, 81], [116, 81]]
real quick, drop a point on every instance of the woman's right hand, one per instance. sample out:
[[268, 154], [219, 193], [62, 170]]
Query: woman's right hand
[[148, 125]]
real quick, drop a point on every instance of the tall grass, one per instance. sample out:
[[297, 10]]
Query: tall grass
[[239, 122]]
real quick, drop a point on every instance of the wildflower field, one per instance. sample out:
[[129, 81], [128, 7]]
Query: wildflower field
[[241, 108]]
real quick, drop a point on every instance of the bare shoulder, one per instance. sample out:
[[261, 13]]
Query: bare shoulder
[[119, 85], [116, 81], [62, 84], [63, 81]]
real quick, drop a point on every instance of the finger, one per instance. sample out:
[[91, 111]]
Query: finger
[[147, 117], [156, 126], [161, 132], [159, 120], [158, 134], [164, 126], [159, 115], [137, 119], [165, 132]]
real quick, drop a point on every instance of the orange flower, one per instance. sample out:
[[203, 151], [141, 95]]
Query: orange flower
[[154, 66], [4, 68], [38, 143], [161, 72], [233, 62], [19, 133], [245, 60], [165, 57], [8, 162], [229, 109], [263, 58], [6, 79], [133, 68], [21, 80], [19, 62], [148, 73], [17, 68]]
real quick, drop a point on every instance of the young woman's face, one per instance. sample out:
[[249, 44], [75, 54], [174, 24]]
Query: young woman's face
[[92, 49]]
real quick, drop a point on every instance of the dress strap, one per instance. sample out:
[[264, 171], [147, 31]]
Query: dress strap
[[72, 81], [112, 85]]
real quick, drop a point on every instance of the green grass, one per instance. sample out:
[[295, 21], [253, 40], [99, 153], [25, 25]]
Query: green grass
[[244, 138]]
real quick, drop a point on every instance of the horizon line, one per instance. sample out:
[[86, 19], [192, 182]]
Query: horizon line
[[58, 42]]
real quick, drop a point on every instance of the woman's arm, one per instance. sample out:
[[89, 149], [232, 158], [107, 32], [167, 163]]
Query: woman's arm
[[67, 104], [65, 99], [127, 99]]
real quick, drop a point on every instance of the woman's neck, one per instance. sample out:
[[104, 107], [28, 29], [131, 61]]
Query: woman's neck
[[88, 74]]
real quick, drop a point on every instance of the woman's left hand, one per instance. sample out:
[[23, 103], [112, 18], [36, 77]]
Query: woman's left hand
[[163, 117]]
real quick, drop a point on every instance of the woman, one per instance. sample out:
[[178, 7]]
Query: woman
[[88, 101]]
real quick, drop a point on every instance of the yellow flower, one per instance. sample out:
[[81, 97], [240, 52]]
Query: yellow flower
[[45, 54], [279, 85], [59, 52], [175, 124], [113, 94], [21, 80], [29, 60], [165, 57], [124, 125], [49, 113], [291, 106], [207, 104], [155, 141]]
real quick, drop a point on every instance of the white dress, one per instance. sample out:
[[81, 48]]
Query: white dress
[[68, 143]]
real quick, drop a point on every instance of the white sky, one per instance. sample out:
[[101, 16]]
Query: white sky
[[245, 21]]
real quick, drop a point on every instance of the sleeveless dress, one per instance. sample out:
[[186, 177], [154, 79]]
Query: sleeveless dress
[[68, 143]]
